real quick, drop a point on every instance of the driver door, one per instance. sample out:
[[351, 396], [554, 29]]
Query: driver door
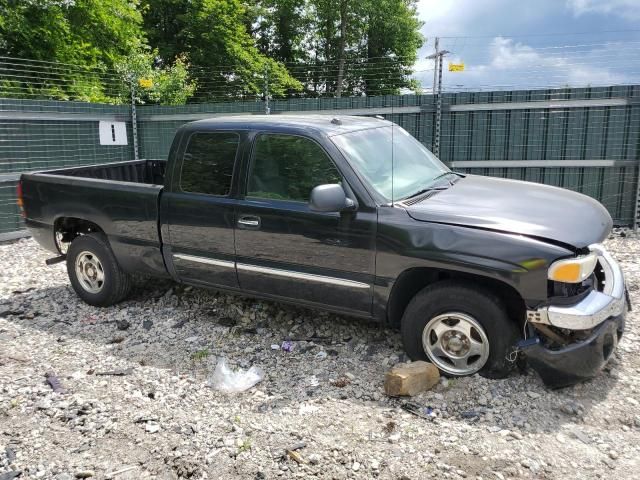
[[285, 249]]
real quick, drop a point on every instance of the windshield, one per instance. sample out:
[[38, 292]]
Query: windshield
[[370, 152]]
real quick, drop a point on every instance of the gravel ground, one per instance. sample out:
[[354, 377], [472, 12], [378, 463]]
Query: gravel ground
[[136, 402]]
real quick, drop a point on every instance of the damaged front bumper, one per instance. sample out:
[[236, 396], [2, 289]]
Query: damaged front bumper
[[602, 311]]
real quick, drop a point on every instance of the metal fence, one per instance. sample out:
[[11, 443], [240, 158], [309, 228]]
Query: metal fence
[[584, 139]]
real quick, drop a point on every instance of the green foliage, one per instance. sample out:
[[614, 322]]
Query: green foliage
[[373, 57], [282, 28], [80, 32], [224, 57], [169, 85], [245, 445], [200, 355], [207, 50], [85, 37]]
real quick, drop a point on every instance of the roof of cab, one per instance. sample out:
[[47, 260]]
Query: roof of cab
[[326, 124]]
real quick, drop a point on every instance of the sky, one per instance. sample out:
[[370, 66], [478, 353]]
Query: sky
[[531, 43]]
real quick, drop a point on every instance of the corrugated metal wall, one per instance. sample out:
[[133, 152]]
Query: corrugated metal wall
[[582, 128], [584, 139]]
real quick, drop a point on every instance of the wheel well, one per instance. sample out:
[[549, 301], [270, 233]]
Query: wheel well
[[72, 227], [410, 282]]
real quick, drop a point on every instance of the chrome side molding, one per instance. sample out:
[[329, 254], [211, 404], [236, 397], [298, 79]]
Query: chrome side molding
[[302, 276], [310, 277], [208, 261]]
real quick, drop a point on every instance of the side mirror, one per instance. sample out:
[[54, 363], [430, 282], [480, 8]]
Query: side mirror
[[330, 198]]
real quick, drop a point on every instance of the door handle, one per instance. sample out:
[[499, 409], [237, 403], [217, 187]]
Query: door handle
[[248, 221]]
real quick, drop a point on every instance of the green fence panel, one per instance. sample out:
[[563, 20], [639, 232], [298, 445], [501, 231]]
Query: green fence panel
[[10, 219], [49, 134]]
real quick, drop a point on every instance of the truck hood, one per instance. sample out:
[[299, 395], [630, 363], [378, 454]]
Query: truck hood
[[517, 207]]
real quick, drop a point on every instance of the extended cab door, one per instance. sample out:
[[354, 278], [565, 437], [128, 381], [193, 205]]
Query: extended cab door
[[283, 247], [198, 210]]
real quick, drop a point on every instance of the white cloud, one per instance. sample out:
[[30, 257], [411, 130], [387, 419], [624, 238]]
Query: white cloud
[[511, 64], [629, 9], [521, 44], [556, 67]]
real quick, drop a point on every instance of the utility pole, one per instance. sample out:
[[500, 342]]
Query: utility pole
[[134, 118], [437, 90], [636, 213], [435, 65], [267, 109]]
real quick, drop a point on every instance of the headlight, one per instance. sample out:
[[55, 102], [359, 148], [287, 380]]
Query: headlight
[[573, 270]]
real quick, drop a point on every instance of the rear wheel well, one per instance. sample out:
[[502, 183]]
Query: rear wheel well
[[66, 229], [410, 282]]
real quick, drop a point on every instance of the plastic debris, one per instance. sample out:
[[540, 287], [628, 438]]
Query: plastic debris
[[152, 427], [312, 381], [287, 346], [419, 410], [321, 355], [54, 382], [296, 457], [116, 373], [118, 472], [275, 346], [229, 381]]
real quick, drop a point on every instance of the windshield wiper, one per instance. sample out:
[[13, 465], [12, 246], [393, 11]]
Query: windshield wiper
[[434, 188], [421, 191], [444, 174]]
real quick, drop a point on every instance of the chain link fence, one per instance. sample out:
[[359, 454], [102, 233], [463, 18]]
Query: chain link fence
[[586, 139]]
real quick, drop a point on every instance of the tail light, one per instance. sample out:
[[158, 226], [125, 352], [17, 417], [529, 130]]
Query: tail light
[[20, 200]]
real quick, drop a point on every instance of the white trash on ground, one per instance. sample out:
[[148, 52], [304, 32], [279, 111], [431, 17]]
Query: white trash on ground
[[226, 380]]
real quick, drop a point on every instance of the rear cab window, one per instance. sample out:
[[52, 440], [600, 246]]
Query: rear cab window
[[208, 163]]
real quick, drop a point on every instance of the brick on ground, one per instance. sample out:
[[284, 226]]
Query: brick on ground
[[408, 379]]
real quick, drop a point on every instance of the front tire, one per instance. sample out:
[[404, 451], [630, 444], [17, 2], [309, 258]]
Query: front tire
[[460, 328], [94, 272]]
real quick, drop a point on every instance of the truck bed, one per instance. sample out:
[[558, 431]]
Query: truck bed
[[150, 172], [120, 199]]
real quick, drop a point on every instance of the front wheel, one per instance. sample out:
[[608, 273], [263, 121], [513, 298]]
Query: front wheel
[[94, 272], [460, 328]]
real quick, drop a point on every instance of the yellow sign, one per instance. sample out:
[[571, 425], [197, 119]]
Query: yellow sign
[[145, 82], [456, 67]]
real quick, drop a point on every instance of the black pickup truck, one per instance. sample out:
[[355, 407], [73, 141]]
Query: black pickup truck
[[354, 215]]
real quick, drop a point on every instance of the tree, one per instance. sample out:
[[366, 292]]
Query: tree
[[392, 42], [223, 55], [343, 46], [80, 32], [281, 28], [209, 49], [164, 22], [90, 36]]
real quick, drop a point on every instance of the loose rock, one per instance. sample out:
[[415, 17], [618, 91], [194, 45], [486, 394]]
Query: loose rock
[[101, 422]]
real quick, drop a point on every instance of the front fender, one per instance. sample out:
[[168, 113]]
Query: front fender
[[516, 260]]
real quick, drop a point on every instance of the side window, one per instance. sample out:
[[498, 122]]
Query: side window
[[208, 162], [287, 167]]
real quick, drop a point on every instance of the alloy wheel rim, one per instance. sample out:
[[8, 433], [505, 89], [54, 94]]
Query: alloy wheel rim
[[456, 343], [89, 272]]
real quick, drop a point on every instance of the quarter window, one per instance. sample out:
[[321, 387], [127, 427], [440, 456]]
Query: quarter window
[[208, 163], [288, 167]]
